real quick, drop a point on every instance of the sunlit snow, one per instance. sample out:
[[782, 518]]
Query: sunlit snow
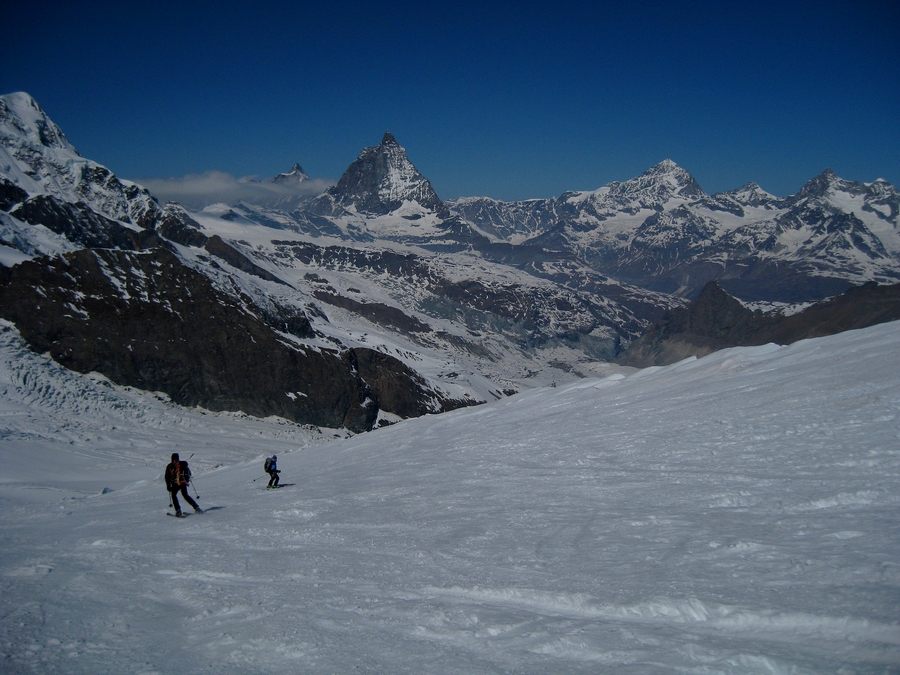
[[732, 514]]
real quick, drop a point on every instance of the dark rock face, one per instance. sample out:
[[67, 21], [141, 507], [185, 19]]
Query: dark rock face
[[217, 246], [858, 307], [715, 320], [381, 179], [10, 194], [176, 225], [82, 225], [376, 312], [148, 321], [399, 388]]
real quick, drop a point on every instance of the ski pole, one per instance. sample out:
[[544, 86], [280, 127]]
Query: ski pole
[[191, 481]]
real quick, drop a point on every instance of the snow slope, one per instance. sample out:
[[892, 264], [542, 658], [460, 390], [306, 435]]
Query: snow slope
[[732, 514]]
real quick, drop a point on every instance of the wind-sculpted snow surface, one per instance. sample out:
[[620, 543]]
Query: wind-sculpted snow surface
[[730, 514]]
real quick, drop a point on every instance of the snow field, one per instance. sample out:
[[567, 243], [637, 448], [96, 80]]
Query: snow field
[[732, 514]]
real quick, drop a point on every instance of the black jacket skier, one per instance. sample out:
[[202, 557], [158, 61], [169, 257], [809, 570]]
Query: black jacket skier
[[272, 470], [178, 475]]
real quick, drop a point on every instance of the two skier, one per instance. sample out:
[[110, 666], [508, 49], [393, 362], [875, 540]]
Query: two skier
[[178, 475]]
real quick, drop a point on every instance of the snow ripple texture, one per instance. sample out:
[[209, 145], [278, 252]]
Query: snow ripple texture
[[730, 514]]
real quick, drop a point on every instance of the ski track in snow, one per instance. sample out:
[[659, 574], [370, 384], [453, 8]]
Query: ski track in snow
[[731, 514]]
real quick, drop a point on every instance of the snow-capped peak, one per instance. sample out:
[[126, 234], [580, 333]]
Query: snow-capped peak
[[24, 122], [382, 179], [295, 175], [389, 140], [668, 176], [656, 187], [36, 156], [752, 194]]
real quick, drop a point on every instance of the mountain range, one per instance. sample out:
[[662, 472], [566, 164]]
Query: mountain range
[[376, 300], [662, 232]]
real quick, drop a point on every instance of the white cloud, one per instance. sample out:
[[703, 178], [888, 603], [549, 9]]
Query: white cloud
[[196, 191]]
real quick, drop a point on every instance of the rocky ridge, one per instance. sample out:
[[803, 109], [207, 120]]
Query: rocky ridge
[[716, 320], [662, 232]]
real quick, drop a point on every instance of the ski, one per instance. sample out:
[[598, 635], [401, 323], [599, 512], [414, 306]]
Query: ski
[[273, 487], [185, 514]]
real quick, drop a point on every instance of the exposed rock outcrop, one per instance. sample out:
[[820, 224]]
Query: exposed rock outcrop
[[715, 320], [144, 319]]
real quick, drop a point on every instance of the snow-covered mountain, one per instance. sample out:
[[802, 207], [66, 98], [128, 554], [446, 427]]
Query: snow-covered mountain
[[730, 515], [415, 319], [725, 515], [464, 302], [295, 176], [100, 276], [380, 181], [661, 231], [37, 157], [382, 196]]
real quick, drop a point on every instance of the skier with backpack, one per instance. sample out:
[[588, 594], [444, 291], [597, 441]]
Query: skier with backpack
[[271, 467], [178, 475]]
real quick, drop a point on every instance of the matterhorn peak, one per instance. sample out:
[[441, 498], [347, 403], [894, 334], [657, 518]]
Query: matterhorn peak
[[381, 179]]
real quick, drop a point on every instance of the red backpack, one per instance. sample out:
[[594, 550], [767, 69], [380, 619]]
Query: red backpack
[[179, 473]]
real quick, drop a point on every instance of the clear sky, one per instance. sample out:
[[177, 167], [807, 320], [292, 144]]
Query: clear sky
[[506, 99]]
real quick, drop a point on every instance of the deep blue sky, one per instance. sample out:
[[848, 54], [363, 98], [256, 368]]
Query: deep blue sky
[[489, 98]]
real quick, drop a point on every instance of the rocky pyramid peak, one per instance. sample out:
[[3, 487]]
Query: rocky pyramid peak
[[296, 170], [381, 179], [825, 184], [665, 166], [295, 175]]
